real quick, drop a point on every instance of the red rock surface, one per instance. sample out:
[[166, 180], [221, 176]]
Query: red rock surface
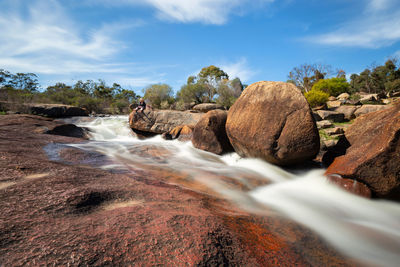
[[69, 213], [351, 186], [374, 155]]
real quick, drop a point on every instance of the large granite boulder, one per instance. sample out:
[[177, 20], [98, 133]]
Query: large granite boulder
[[161, 121], [273, 121], [209, 134], [365, 109], [374, 154], [206, 107], [56, 110]]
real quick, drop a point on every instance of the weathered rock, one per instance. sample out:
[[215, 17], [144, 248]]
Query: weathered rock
[[374, 153], [74, 215], [343, 96], [209, 134], [273, 121], [334, 151], [331, 98], [56, 110], [183, 133], [351, 186], [331, 115], [369, 98], [206, 107], [365, 109], [186, 133], [324, 124], [334, 131], [316, 116], [330, 143], [333, 104], [161, 121], [68, 130], [348, 111]]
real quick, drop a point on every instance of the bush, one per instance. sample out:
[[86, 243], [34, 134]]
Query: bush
[[316, 97], [332, 86]]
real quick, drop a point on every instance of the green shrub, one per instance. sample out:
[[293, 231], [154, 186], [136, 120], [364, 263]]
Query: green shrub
[[316, 97], [332, 86]]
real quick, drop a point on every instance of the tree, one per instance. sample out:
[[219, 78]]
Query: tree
[[332, 86], [192, 91], [23, 81], [159, 95], [210, 77], [378, 79], [304, 76]]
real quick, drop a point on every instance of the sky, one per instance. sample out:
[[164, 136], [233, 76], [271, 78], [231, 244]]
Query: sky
[[136, 43]]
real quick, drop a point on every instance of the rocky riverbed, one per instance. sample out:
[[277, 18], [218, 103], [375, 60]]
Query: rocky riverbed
[[69, 212]]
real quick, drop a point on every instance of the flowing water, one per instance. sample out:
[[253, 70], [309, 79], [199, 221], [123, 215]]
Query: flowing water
[[365, 230]]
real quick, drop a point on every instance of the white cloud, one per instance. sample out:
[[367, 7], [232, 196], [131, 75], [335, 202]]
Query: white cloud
[[204, 11], [239, 69], [378, 26], [41, 38]]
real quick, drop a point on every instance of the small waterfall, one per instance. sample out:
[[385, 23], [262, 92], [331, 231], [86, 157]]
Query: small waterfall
[[366, 230]]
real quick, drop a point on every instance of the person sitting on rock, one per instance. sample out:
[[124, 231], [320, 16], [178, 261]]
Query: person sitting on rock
[[141, 107], [135, 111]]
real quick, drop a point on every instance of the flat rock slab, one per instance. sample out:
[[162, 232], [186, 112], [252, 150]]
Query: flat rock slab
[[324, 124], [331, 115], [365, 109]]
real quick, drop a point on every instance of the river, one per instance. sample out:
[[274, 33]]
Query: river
[[365, 230]]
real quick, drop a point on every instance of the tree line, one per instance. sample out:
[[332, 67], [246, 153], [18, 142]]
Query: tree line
[[317, 81]]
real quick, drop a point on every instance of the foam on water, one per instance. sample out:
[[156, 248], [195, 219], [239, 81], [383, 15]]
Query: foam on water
[[366, 230]]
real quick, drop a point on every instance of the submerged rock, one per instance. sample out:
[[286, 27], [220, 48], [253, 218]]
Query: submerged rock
[[273, 121]]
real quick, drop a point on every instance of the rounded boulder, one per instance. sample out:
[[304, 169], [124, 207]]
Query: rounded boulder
[[209, 134], [274, 122]]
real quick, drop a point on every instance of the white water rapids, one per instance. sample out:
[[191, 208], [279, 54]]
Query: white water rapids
[[365, 230]]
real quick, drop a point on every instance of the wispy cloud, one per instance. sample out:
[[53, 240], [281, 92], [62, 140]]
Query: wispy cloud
[[204, 11], [42, 38], [377, 26], [239, 69]]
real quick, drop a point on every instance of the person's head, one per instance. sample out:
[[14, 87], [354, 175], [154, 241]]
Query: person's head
[[141, 100]]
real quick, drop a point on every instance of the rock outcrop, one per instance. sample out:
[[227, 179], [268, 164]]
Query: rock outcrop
[[365, 109], [68, 130], [56, 110], [273, 121], [374, 154], [331, 115], [348, 111], [162, 121], [206, 107], [209, 134]]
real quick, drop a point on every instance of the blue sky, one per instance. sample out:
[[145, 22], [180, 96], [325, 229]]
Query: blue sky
[[141, 42]]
